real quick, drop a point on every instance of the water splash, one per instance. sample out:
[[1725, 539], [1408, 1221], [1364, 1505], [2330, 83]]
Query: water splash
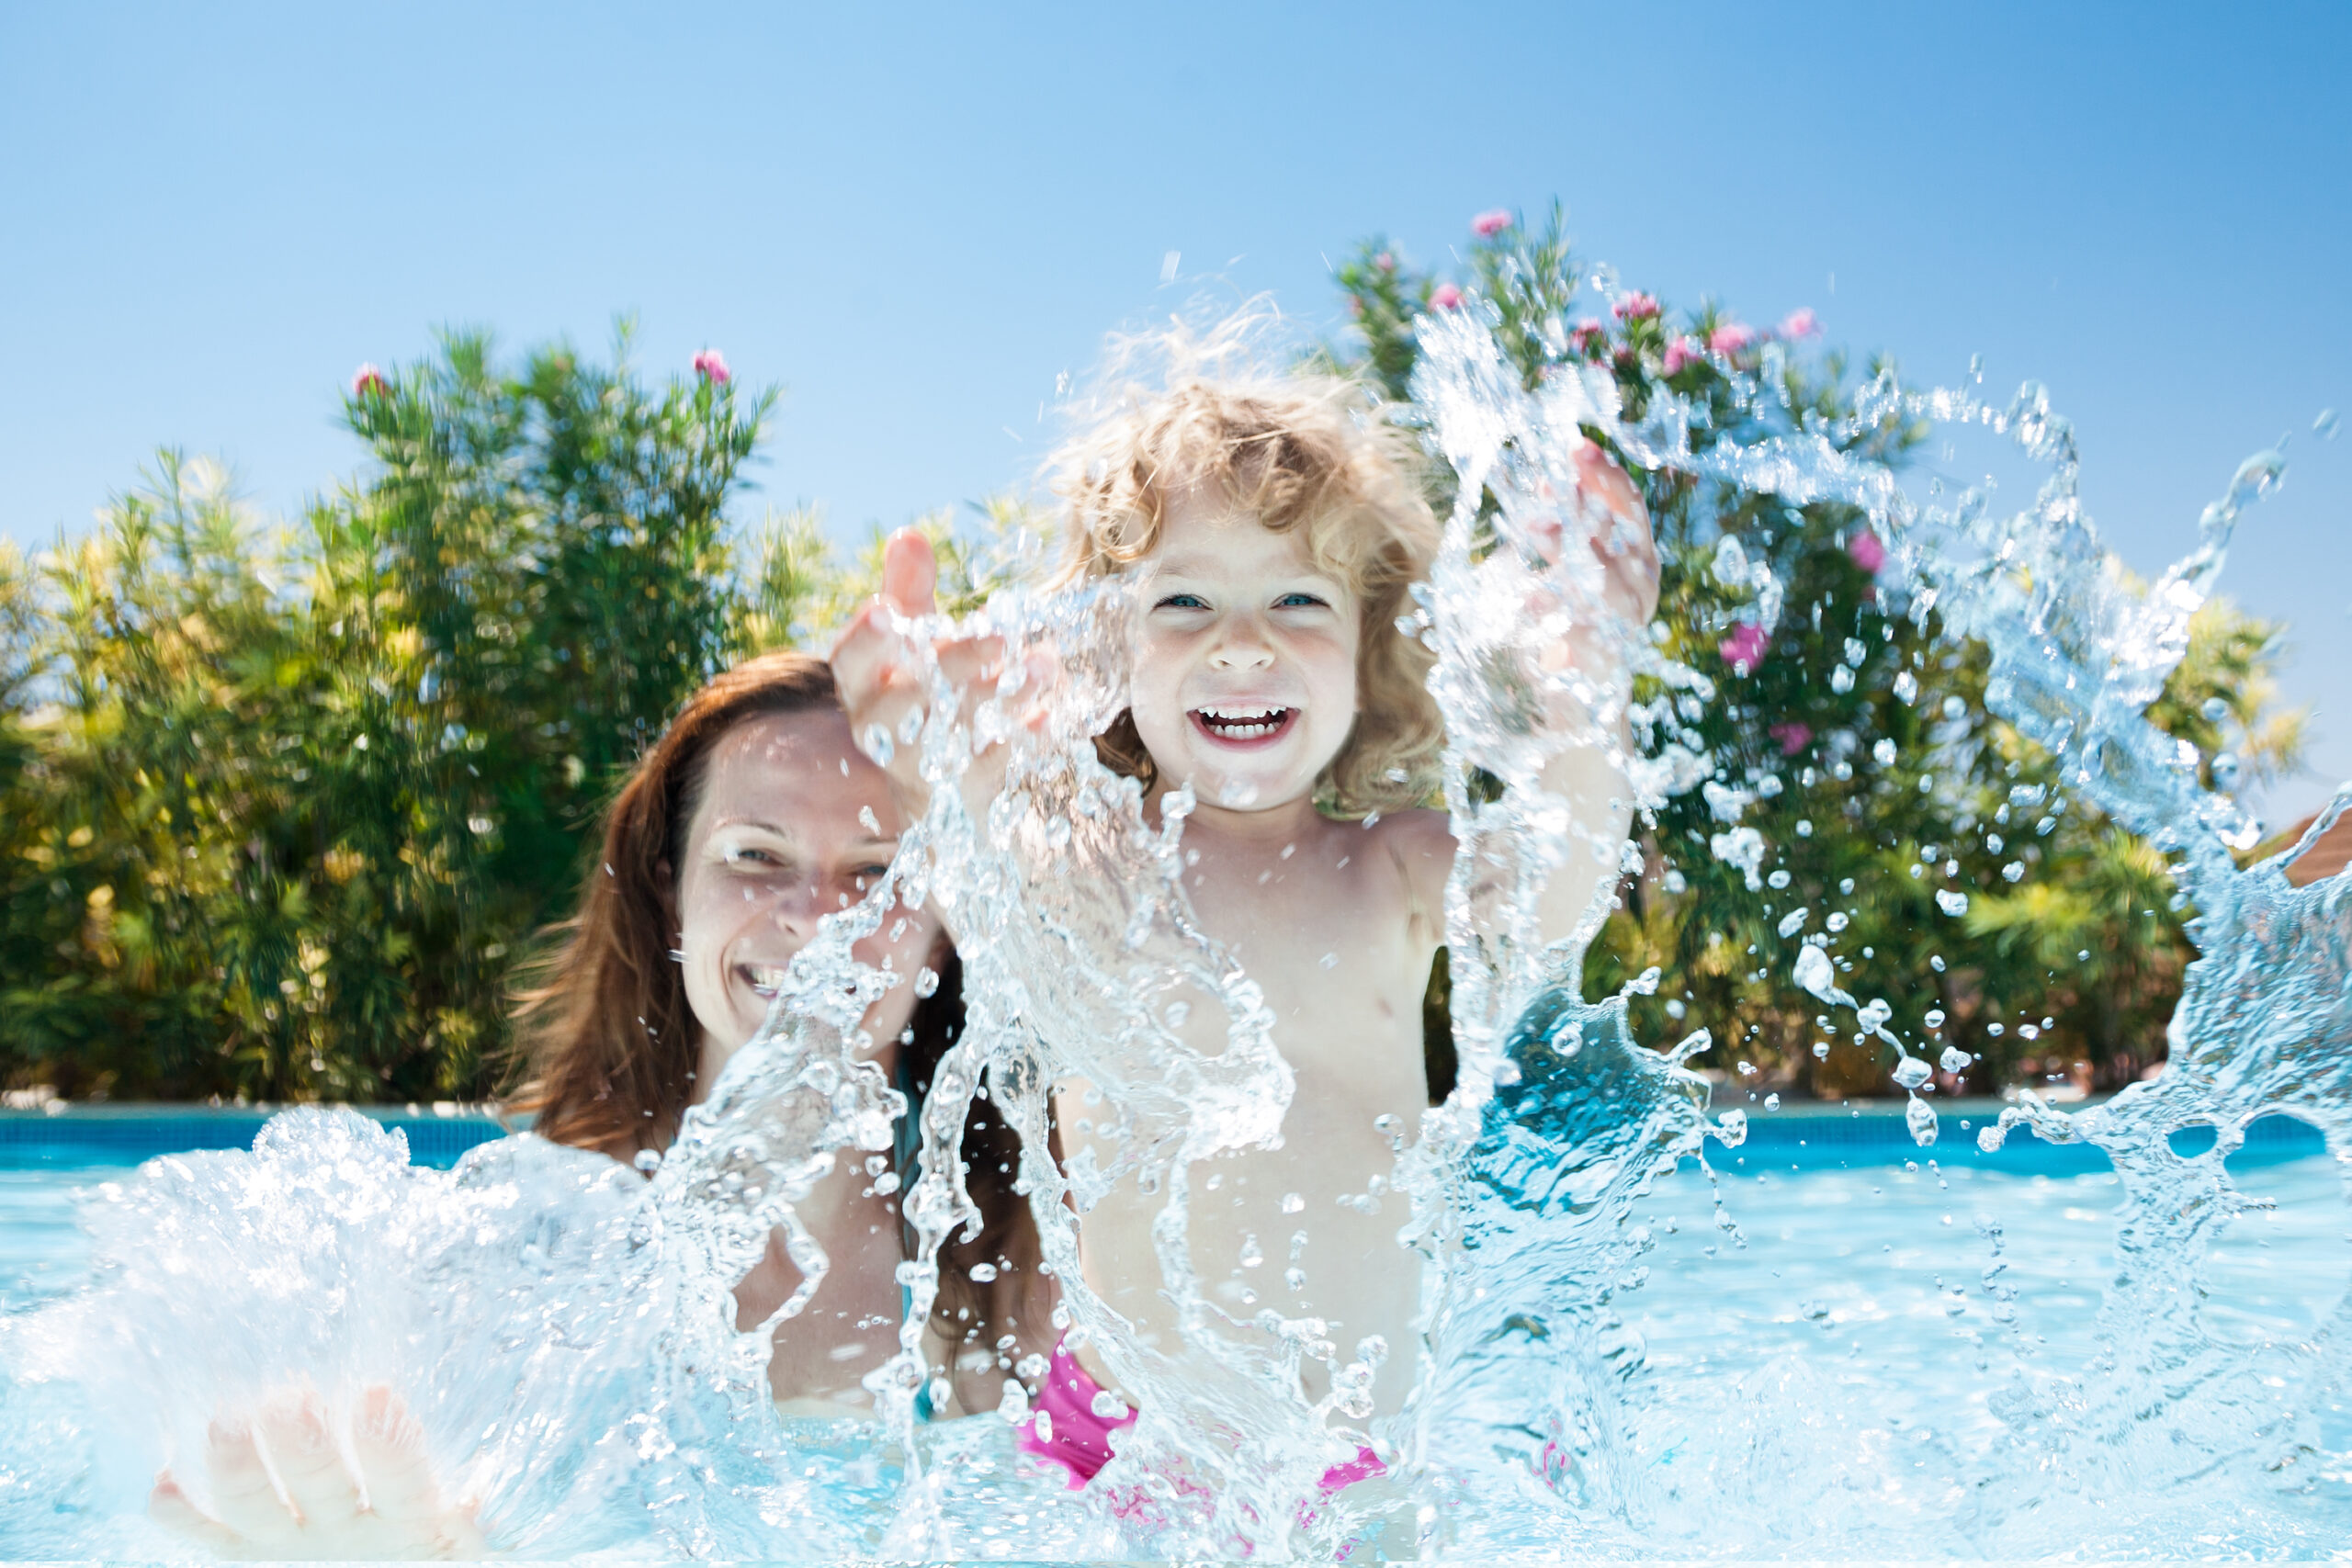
[[565, 1329]]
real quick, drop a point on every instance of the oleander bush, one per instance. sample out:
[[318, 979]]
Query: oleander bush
[[1849, 733]]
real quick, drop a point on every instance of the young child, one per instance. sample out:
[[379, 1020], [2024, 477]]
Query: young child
[[1272, 529]]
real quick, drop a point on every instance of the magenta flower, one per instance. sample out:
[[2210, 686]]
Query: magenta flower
[[711, 365], [1683, 351], [1636, 307], [1445, 296], [1731, 337], [1488, 224], [1585, 334], [1868, 553], [1799, 322], [1745, 647], [367, 379], [1794, 737]]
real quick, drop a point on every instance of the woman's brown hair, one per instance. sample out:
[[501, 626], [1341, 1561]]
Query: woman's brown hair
[[608, 1045]]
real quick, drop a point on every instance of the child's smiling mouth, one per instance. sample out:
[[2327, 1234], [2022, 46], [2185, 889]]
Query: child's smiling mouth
[[1243, 723]]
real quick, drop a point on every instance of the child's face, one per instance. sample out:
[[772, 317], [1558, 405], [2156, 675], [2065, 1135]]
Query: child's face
[[1245, 666], [783, 836]]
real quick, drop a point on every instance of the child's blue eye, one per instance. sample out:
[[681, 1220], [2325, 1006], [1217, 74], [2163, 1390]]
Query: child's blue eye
[[1183, 602], [1297, 601]]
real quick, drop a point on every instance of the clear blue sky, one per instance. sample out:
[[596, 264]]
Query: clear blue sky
[[913, 217]]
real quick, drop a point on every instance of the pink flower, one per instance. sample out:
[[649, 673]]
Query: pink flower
[[1683, 351], [1799, 322], [1794, 737], [1636, 307], [1745, 647], [1488, 224], [1585, 334], [367, 379], [1445, 296], [1730, 338], [1384, 261], [1868, 553], [711, 365]]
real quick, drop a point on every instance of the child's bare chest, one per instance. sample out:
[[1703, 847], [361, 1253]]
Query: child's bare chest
[[1335, 947]]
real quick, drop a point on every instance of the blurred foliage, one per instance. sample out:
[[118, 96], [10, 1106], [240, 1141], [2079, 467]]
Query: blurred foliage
[[280, 807], [1845, 728], [283, 807]]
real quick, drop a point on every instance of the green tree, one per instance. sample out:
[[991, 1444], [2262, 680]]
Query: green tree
[[1844, 726]]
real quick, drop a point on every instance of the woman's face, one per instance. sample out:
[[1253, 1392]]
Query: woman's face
[[794, 824]]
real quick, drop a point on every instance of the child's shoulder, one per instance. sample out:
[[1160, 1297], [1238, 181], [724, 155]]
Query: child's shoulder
[[1417, 829], [1416, 840]]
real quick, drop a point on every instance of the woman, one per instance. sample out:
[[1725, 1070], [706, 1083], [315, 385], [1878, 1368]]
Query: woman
[[750, 818]]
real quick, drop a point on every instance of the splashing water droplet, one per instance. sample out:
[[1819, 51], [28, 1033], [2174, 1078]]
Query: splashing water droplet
[[1920, 1118], [1952, 901], [1954, 1059]]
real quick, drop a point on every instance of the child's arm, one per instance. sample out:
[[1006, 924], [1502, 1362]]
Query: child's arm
[[1599, 796]]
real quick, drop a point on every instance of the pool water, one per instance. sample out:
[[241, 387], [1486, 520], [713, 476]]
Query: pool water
[[1836, 1343]]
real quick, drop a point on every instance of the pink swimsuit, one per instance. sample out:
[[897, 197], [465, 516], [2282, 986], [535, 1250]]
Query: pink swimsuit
[[1081, 1440]]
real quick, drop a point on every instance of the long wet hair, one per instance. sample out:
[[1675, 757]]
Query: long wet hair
[[607, 1046]]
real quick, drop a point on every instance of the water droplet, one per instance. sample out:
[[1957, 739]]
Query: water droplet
[[1772, 1102], [2326, 424], [1883, 752], [2215, 709], [1934, 1018], [876, 743], [647, 1160], [926, 981], [1841, 679], [1815, 974], [1951, 901], [1108, 1406], [1906, 687], [1921, 1119], [1820, 1050], [1954, 1059], [982, 1273], [2013, 872], [1793, 922]]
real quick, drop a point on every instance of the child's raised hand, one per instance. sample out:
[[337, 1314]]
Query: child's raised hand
[[1607, 510], [875, 666], [283, 1488], [879, 674]]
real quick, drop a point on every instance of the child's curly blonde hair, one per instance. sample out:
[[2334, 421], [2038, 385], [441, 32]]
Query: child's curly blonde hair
[[1297, 450]]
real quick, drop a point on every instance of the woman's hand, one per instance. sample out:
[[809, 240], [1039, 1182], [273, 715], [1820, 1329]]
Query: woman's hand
[[283, 1487]]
